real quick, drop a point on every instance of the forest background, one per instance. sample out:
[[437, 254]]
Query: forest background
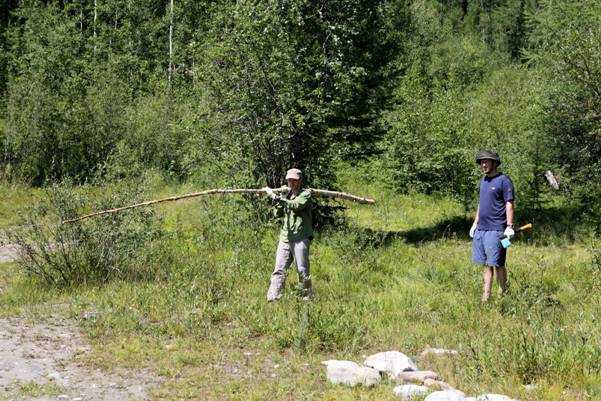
[[235, 93], [108, 102]]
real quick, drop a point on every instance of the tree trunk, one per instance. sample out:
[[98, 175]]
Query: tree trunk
[[170, 45], [95, 18]]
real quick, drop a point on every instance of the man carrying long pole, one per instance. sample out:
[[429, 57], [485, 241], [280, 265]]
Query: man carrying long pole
[[295, 236]]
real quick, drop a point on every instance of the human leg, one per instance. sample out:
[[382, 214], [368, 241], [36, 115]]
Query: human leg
[[300, 250], [283, 259], [502, 278], [495, 259], [488, 274]]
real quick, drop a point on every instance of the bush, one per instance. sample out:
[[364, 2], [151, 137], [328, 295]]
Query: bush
[[91, 251]]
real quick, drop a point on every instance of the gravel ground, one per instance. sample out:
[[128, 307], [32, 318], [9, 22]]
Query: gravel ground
[[48, 357], [43, 361]]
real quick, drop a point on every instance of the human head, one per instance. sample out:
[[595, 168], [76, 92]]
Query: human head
[[488, 161], [294, 177], [487, 154]]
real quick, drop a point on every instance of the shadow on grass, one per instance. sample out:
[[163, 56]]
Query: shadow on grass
[[455, 227], [550, 225]]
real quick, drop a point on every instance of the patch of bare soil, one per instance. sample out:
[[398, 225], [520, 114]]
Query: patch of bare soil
[[48, 357]]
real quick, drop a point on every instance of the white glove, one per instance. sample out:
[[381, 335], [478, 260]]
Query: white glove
[[509, 232], [270, 192], [473, 229]]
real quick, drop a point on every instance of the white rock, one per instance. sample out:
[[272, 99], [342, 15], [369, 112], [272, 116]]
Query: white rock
[[469, 399], [390, 362], [494, 397], [409, 391], [418, 376], [351, 374], [439, 351], [530, 387], [446, 395]]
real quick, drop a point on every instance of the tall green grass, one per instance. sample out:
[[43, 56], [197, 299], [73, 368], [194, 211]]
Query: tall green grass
[[397, 276]]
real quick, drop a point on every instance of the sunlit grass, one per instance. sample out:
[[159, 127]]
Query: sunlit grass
[[398, 277]]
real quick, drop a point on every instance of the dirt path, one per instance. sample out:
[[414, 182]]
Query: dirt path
[[43, 361]]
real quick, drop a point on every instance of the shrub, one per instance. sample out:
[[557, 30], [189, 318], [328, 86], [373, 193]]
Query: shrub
[[91, 251]]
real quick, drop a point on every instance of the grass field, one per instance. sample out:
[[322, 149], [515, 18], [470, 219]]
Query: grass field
[[396, 277]]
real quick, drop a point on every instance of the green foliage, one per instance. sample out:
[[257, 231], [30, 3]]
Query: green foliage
[[253, 88], [566, 44], [430, 148], [295, 85]]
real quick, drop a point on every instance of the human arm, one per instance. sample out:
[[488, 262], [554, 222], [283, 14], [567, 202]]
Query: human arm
[[475, 225], [508, 195], [509, 212], [297, 204], [509, 231]]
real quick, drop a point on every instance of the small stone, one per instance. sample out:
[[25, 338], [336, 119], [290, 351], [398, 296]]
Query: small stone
[[439, 351], [390, 362], [530, 387], [409, 391], [91, 315], [494, 397], [63, 397], [446, 395], [351, 374], [418, 376], [77, 399]]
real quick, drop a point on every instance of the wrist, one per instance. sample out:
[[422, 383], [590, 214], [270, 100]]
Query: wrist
[[510, 225]]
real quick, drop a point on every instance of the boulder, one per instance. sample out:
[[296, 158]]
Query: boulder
[[447, 395], [494, 397], [351, 374], [417, 376], [409, 391], [390, 362]]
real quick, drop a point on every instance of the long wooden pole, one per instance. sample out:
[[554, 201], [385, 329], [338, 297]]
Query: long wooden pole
[[322, 192]]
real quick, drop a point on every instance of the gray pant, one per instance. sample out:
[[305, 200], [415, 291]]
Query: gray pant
[[286, 253]]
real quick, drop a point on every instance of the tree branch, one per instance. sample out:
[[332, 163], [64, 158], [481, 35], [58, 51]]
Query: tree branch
[[322, 192]]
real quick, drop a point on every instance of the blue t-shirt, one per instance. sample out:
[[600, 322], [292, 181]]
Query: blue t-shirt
[[495, 192]]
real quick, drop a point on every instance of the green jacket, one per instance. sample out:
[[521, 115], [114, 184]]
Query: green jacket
[[298, 221]]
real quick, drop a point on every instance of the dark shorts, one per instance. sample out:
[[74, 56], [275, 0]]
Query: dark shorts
[[487, 248]]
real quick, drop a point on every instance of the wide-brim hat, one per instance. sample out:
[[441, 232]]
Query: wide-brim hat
[[294, 174], [487, 154]]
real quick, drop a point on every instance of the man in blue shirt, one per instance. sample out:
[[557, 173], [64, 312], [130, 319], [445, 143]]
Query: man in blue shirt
[[494, 219]]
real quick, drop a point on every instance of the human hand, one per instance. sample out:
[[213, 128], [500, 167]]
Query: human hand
[[473, 230], [509, 232], [270, 192]]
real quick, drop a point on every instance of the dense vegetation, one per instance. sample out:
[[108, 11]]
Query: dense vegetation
[[237, 92]]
